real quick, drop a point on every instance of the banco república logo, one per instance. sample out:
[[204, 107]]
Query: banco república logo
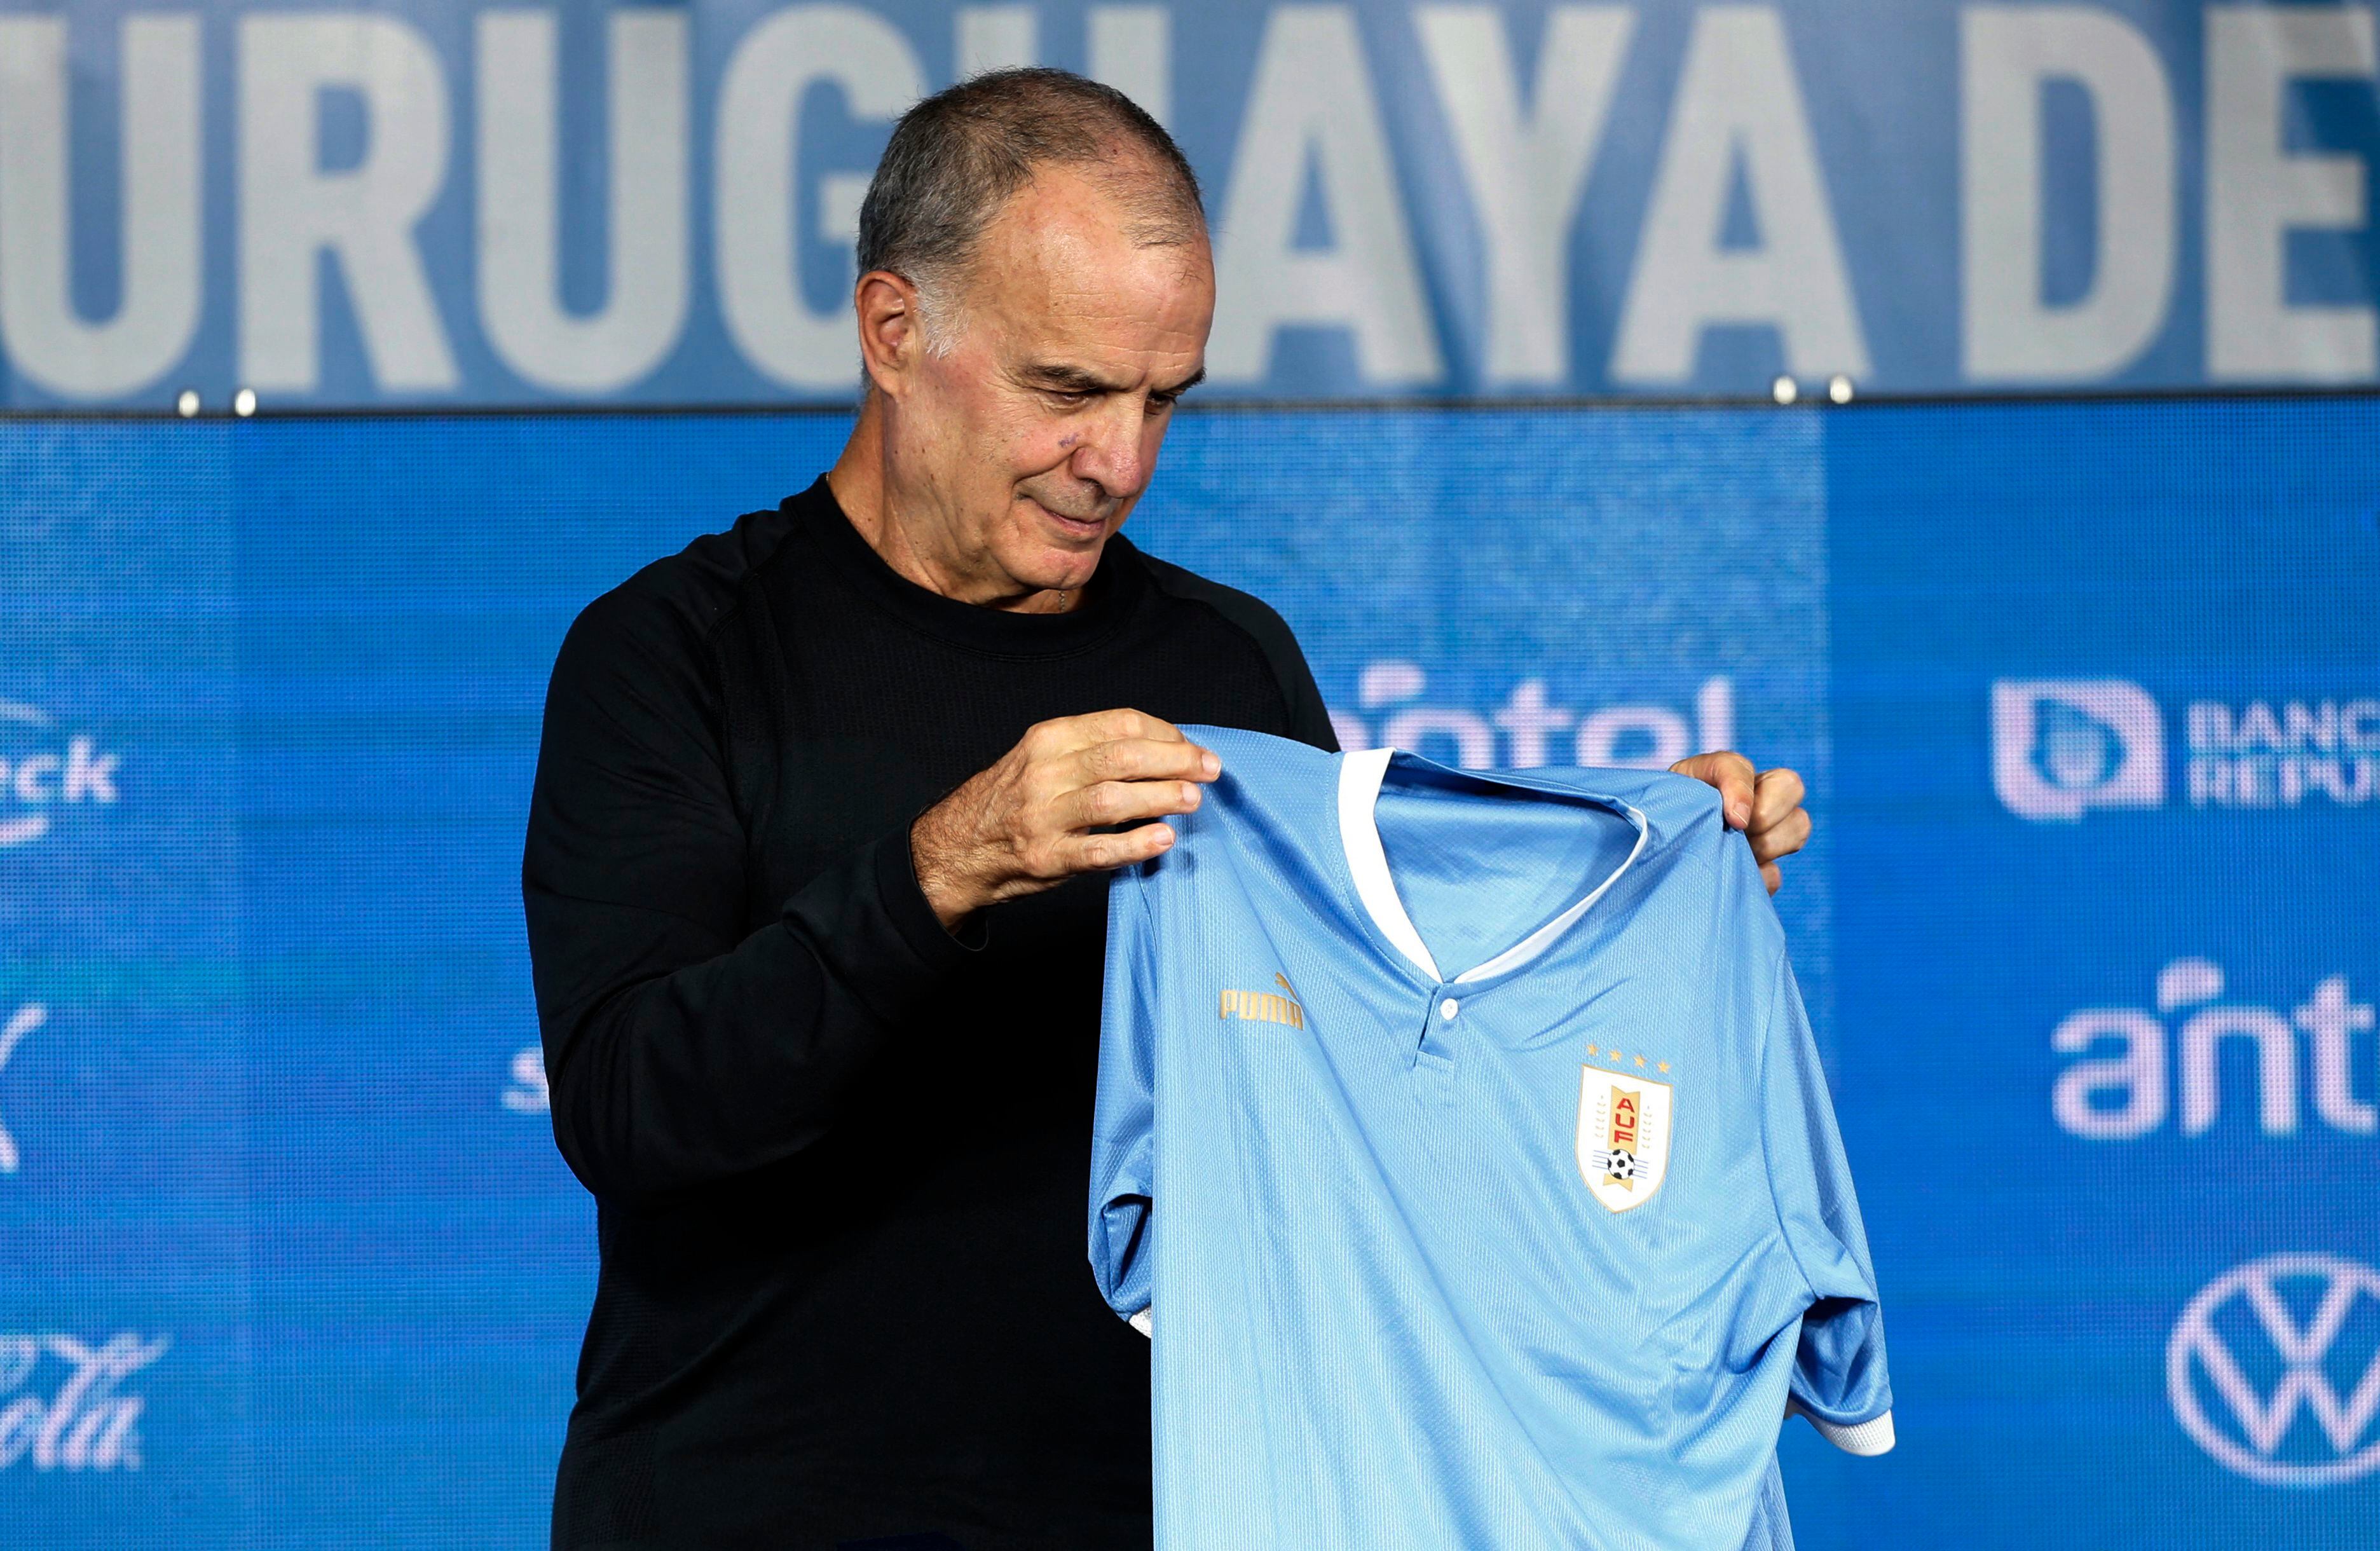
[[2061, 748], [2274, 1369], [2132, 1064], [2282, 752], [46, 771]]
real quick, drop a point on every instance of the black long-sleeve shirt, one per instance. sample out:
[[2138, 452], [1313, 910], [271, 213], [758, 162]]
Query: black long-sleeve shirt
[[839, 1155]]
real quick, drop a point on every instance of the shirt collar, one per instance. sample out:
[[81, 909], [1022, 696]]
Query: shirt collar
[[1360, 776]]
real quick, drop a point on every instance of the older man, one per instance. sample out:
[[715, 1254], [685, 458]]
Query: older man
[[812, 881]]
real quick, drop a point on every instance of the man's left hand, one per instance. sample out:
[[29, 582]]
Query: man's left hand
[[1765, 806]]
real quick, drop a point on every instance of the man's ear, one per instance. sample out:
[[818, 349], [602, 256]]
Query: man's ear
[[891, 338]]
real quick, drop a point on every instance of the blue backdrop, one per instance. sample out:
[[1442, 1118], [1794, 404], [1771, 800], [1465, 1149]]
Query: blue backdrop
[[2088, 696], [453, 201]]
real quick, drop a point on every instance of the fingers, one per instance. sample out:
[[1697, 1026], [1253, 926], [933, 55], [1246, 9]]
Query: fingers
[[1095, 773], [1766, 806], [1783, 838], [1780, 826], [1078, 853], [1121, 801], [1143, 759], [1070, 732], [1775, 794], [1731, 774], [1019, 827]]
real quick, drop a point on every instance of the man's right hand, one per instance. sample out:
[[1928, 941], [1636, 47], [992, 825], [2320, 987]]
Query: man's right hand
[[1026, 824]]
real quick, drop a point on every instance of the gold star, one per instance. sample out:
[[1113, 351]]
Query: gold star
[[1590, 1049], [1665, 1066], [1617, 1058], [1640, 1061]]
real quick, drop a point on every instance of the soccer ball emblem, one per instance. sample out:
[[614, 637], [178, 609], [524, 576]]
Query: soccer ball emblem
[[1620, 1166]]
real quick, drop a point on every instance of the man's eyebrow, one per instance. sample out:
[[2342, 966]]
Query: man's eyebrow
[[1061, 378], [1069, 379]]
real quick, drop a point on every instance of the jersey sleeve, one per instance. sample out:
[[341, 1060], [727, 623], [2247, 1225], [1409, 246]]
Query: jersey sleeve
[[1123, 1120], [1840, 1380]]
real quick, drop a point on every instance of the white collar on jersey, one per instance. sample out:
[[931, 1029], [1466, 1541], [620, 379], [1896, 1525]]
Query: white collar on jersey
[[1359, 835]]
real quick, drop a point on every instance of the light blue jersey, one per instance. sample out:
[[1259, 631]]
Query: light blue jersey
[[1461, 1144]]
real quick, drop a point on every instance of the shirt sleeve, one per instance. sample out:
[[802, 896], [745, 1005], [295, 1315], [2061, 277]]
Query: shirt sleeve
[[1124, 1118], [1840, 1380], [679, 1048]]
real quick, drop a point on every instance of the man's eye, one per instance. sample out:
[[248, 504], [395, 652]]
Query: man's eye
[[1067, 400]]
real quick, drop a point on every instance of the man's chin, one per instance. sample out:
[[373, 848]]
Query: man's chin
[[1058, 571]]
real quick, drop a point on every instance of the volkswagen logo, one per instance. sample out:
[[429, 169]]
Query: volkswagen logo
[[2273, 1370]]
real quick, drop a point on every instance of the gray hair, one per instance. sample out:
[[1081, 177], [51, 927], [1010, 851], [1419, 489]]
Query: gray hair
[[956, 157]]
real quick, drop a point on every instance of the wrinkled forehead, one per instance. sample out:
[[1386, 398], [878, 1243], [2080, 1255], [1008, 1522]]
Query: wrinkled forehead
[[1071, 254]]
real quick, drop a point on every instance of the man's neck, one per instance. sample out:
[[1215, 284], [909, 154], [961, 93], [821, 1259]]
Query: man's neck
[[904, 530]]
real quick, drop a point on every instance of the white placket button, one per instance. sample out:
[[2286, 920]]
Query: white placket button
[[1449, 1008]]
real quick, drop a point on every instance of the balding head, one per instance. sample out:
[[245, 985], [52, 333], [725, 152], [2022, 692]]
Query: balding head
[[958, 158]]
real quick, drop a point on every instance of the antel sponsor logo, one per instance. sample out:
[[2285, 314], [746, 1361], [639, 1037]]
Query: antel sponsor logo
[[1529, 730], [46, 769], [2131, 1061], [2272, 1369], [2063, 747], [62, 1401]]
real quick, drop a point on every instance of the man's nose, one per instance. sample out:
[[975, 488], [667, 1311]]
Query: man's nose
[[1109, 453]]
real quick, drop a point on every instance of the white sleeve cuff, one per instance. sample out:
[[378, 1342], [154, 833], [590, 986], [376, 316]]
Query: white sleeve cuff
[[1142, 1323], [1866, 1440]]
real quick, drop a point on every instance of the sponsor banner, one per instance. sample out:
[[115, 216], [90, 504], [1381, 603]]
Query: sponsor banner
[[128, 1341], [2105, 1037], [2102, 1033], [477, 204]]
